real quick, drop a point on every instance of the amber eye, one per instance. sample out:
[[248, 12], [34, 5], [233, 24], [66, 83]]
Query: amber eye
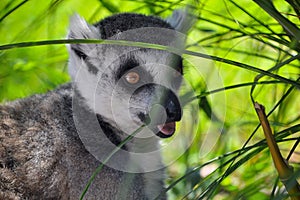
[[132, 77]]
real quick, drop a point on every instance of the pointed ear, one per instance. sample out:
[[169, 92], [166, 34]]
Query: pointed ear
[[80, 29], [181, 20]]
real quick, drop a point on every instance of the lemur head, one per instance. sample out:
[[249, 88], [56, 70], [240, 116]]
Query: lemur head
[[129, 86]]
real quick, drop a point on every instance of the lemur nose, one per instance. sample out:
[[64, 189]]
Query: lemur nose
[[158, 114], [173, 108], [163, 105], [166, 109]]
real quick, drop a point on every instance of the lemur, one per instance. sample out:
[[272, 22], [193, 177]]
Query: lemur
[[50, 144]]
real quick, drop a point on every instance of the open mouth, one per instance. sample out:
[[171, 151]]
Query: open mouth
[[163, 129], [166, 130], [162, 120]]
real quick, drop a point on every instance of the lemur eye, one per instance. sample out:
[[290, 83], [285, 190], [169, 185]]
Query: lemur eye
[[132, 77]]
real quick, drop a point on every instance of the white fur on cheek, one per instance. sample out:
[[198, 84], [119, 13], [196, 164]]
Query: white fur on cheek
[[85, 81], [73, 62]]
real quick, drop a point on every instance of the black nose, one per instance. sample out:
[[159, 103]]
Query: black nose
[[172, 106], [161, 103], [169, 109]]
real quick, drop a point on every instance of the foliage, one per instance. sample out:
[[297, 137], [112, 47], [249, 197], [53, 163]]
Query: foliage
[[238, 52]]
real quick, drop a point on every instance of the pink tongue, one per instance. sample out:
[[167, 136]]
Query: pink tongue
[[168, 128]]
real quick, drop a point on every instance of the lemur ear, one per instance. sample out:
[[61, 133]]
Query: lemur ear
[[80, 29], [181, 20]]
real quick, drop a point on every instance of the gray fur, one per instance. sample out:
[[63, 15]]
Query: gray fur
[[43, 158], [41, 153]]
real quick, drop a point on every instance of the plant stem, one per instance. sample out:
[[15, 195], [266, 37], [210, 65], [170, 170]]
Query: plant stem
[[285, 171]]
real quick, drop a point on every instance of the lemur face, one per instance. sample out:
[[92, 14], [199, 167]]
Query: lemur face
[[128, 86], [146, 85]]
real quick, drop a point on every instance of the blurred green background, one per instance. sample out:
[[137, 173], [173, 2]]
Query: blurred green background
[[217, 152]]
